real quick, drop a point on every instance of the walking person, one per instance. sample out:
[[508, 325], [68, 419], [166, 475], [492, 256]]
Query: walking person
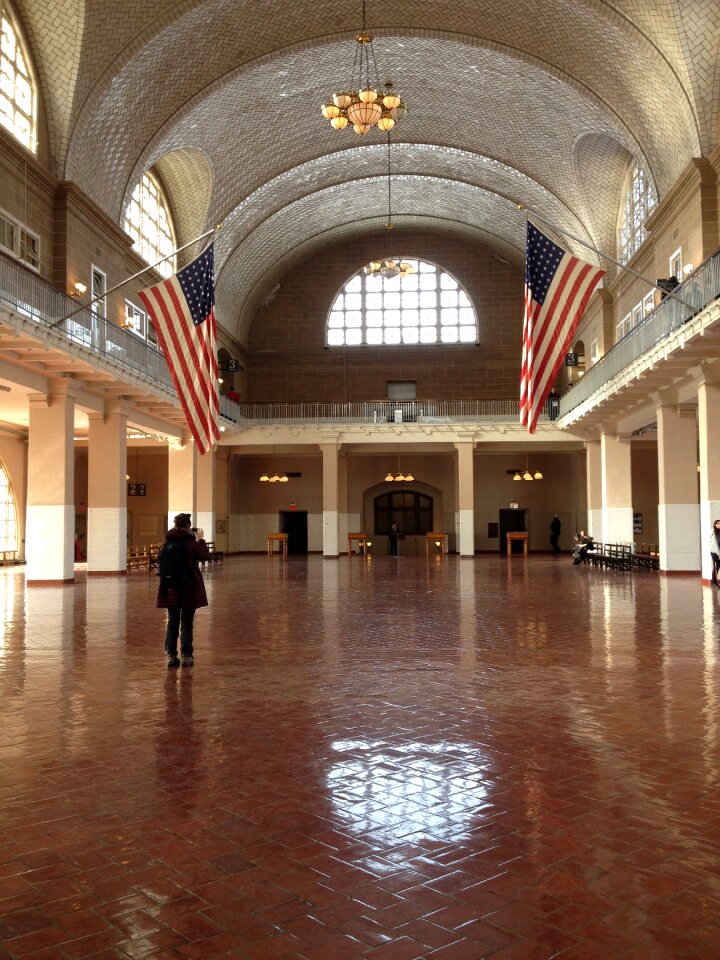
[[182, 588], [715, 552], [555, 527]]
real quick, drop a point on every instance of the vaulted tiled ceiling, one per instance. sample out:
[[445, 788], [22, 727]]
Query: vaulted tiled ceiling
[[510, 101]]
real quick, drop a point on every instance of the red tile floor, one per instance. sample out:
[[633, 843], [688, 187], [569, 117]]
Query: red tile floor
[[387, 759]]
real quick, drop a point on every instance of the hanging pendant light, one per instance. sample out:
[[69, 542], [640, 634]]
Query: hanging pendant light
[[391, 266], [363, 105]]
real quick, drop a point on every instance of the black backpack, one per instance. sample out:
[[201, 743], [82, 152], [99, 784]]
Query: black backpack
[[174, 564]]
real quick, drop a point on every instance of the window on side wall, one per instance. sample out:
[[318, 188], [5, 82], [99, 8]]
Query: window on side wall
[[675, 265], [134, 319], [19, 242]]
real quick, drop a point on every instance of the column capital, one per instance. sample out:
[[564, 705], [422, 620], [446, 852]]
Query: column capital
[[706, 372]]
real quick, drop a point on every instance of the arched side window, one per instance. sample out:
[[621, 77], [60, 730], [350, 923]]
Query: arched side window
[[639, 201], [148, 221], [425, 306], [413, 512], [18, 88], [8, 514]]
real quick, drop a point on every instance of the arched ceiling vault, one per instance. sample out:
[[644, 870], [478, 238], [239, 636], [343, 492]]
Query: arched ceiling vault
[[223, 98]]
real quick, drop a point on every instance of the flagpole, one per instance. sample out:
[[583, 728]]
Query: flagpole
[[150, 266], [536, 216]]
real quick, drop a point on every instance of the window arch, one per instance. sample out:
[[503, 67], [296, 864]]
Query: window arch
[[18, 88], [149, 223], [639, 200], [412, 511], [8, 513], [426, 306]]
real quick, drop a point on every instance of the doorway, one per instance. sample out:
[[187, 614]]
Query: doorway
[[511, 521], [294, 523]]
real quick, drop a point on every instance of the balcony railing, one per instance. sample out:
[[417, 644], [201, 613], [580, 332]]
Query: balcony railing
[[33, 297], [375, 412], [700, 289]]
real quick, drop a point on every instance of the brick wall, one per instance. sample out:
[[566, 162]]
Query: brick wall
[[288, 360]]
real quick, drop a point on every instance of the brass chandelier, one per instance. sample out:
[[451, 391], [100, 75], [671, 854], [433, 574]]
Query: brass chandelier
[[391, 266], [364, 105]]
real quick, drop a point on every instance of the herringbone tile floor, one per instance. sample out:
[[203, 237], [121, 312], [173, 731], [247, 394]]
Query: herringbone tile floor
[[386, 759]]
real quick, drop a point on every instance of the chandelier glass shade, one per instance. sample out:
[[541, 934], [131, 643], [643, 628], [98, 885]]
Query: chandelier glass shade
[[519, 475], [364, 105], [398, 476]]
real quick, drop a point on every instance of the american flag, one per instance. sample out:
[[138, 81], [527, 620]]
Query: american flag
[[181, 309], [557, 289]]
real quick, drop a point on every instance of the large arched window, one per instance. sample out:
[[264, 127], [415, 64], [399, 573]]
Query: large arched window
[[8, 514], [18, 89], [413, 512], [639, 201], [149, 223], [426, 306]]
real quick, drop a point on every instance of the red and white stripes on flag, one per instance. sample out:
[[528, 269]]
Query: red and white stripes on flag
[[183, 315], [557, 289]]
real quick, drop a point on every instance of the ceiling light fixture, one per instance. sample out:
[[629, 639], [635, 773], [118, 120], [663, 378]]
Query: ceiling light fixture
[[398, 477], [391, 266], [527, 475], [364, 105]]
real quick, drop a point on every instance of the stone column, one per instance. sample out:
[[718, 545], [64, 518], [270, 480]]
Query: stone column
[[465, 499], [107, 491], [617, 520], [181, 481], [593, 480], [204, 512], [678, 507], [708, 406], [50, 532], [330, 499]]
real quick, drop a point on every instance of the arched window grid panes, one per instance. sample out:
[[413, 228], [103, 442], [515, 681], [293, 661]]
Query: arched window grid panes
[[8, 514], [148, 222], [412, 511], [428, 306], [18, 89], [639, 202]]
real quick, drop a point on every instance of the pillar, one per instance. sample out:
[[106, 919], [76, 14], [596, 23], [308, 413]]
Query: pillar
[[616, 473], [50, 531], [204, 509], [330, 499], [678, 507], [181, 480], [107, 491], [465, 499], [708, 400], [593, 480]]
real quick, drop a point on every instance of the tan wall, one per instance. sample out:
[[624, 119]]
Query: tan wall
[[288, 360], [255, 506]]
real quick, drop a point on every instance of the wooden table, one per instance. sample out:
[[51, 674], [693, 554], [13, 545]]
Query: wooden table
[[523, 537], [432, 538], [360, 539], [282, 539]]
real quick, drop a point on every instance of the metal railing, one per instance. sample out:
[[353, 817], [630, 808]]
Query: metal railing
[[700, 289], [376, 412], [32, 297]]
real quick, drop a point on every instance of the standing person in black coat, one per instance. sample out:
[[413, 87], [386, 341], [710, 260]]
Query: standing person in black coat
[[555, 526], [394, 536], [715, 552], [182, 600]]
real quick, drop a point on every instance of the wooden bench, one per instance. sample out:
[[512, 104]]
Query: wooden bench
[[611, 556], [282, 540], [646, 557], [436, 539], [361, 540], [522, 537], [215, 555], [138, 559]]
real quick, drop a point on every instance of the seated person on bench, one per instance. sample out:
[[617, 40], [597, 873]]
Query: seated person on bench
[[583, 543]]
